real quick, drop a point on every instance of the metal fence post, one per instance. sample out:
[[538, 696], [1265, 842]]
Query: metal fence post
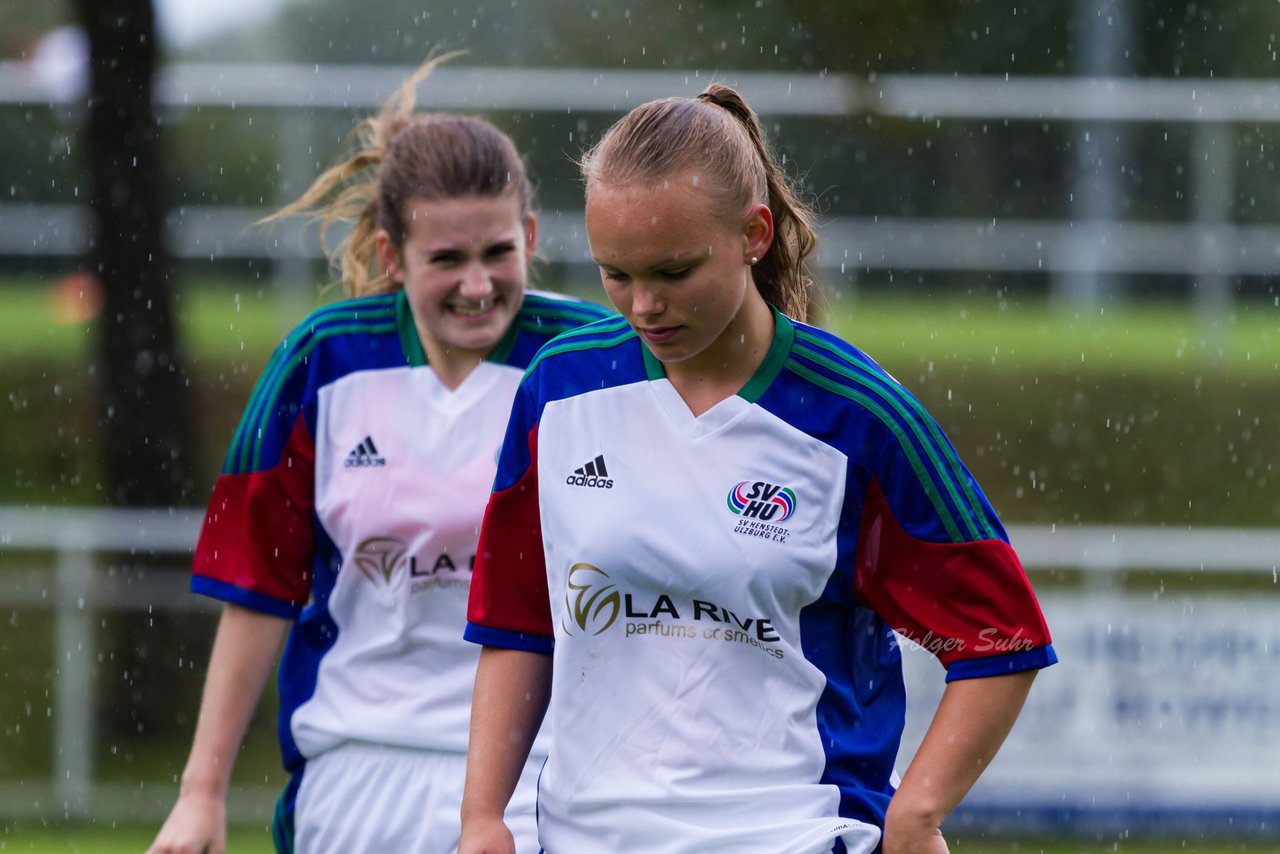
[[73, 700], [1213, 180]]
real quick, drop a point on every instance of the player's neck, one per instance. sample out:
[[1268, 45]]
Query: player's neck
[[721, 370], [452, 365]]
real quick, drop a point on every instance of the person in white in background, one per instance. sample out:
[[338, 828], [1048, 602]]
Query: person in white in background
[[348, 507], [60, 63]]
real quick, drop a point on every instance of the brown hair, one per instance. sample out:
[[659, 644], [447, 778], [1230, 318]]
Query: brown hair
[[398, 157], [719, 136]]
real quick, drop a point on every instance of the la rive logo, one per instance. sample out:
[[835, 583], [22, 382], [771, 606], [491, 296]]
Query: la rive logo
[[762, 508], [594, 604], [591, 602], [379, 559]]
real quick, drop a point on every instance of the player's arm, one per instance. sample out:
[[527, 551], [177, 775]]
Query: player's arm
[[243, 656], [510, 698], [971, 723]]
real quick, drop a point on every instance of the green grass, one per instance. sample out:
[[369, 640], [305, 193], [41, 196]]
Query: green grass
[[231, 321], [1135, 413], [105, 839], [220, 321], [904, 333]]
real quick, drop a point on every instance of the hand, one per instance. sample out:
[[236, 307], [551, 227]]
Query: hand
[[486, 836], [196, 825], [903, 836]]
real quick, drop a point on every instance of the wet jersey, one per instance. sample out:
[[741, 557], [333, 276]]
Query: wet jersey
[[350, 502], [720, 593]]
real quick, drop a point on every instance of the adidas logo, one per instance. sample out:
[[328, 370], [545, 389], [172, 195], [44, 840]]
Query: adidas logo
[[364, 455], [593, 474]]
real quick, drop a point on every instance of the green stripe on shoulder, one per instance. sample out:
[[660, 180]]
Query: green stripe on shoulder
[[233, 462], [600, 335], [917, 465], [545, 305], [556, 319], [601, 325], [568, 318], [950, 471], [375, 310], [246, 447]]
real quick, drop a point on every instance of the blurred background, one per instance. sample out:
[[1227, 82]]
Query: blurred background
[[1057, 223]]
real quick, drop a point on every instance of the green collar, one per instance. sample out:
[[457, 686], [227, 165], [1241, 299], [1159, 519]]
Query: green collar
[[412, 344], [408, 331], [784, 333]]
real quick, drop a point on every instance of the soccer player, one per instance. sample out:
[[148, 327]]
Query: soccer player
[[726, 514], [348, 508]]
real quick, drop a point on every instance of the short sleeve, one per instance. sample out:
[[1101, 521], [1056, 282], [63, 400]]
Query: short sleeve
[[257, 540], [934, 562], [509, 605]]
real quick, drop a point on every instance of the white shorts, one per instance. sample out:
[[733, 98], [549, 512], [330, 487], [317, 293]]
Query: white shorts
[[369, 797]]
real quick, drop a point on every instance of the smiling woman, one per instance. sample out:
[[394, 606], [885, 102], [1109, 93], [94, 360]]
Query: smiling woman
[[462, 267], [346, 513]]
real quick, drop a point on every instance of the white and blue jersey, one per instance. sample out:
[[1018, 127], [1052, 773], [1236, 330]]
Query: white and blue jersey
[[720, 593], [350, 502]]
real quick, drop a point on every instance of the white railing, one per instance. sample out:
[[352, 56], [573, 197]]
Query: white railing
[[847, 245], [76, 590], [817, 93], [1209, 247]]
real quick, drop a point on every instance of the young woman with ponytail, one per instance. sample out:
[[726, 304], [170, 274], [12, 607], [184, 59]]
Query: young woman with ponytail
[[346, 514], [715, 629]]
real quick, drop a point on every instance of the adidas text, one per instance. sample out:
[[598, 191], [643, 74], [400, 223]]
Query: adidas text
[[593, 480]]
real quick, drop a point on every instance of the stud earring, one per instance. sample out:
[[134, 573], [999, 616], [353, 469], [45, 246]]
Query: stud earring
[[754, 259]]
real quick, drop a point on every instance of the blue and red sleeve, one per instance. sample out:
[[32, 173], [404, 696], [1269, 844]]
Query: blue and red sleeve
[[509, 605], [255, 547], [968, 602]]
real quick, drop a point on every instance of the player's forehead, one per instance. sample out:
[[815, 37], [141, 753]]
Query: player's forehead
[[646, 224], [464, 221]]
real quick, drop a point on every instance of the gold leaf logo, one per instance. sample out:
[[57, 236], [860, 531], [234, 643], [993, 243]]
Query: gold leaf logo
[[591, 600], [378, 557]]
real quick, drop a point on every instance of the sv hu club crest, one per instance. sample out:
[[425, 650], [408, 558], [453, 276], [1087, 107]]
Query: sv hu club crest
[[767, 502]]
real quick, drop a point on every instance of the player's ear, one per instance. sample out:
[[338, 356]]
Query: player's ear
[[530, 234], [389, 256], [758, 232]]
